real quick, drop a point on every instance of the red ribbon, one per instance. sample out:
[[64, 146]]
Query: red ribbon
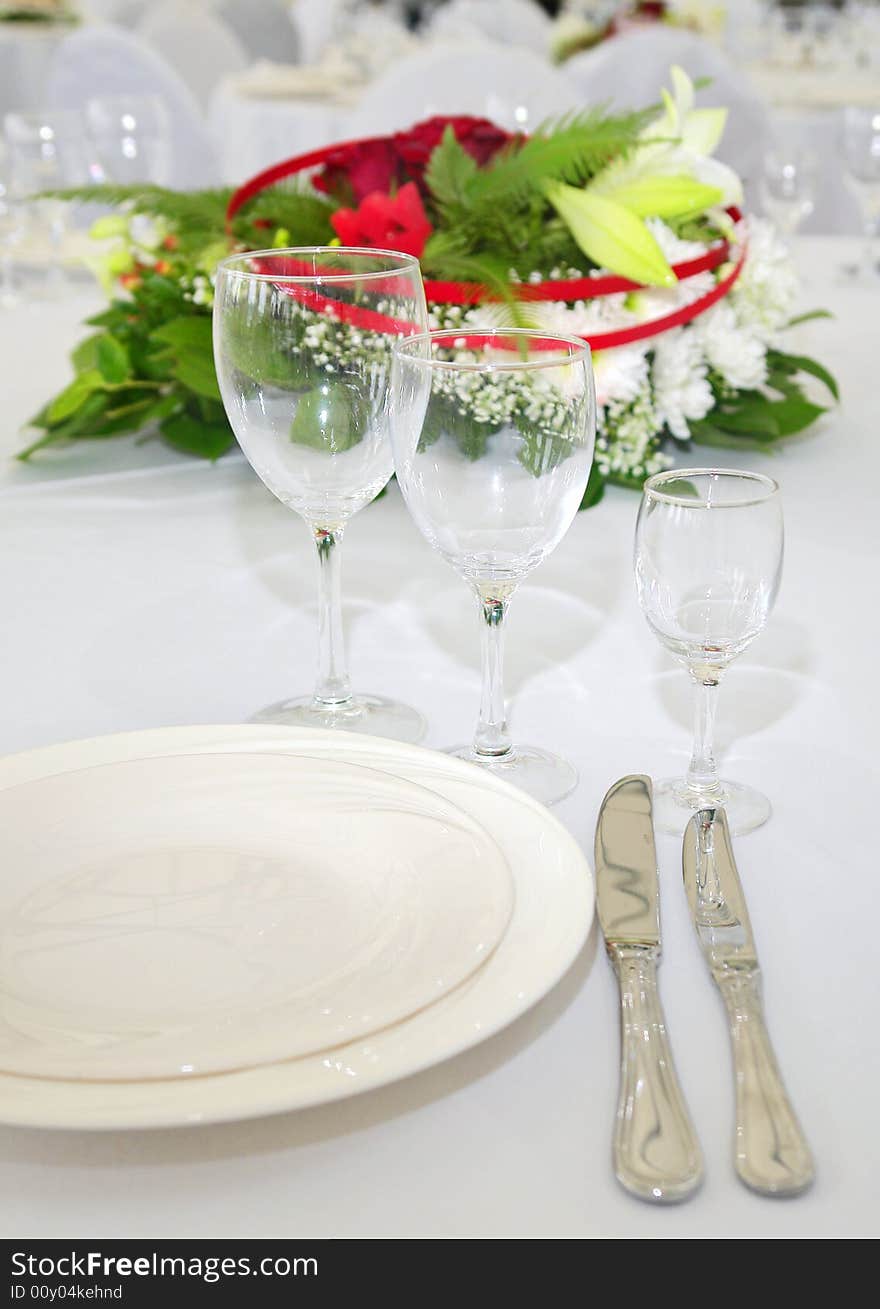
[[470, 293]]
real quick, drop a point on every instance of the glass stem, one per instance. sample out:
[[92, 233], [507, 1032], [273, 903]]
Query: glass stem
[[333, 686], [492, 738], [702, 773]]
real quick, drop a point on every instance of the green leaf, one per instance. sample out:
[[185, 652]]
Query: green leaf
[[450, 169], [85, 356], [112, 359], [610, 235], [329, 417], [80, 423], [595, 489], [794, 413], [187, 434], [660, 196], [198, 374], [73, 396], [570, 149], [705, 433], [188, 332], [755, 420], [808, 317], [803, 364]]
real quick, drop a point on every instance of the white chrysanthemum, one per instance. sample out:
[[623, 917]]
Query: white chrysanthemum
[[766, 291], [583, 317], [681, 386], [621, 373], [732, 349]]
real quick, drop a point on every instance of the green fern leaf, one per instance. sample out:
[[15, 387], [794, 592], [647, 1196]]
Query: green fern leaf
[[450, 170], [570, 150]]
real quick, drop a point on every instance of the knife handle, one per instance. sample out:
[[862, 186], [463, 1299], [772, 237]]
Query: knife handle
[[771, 1154], [656, 1152]]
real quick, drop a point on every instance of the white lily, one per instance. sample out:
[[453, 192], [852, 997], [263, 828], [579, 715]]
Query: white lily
[[677, 143]]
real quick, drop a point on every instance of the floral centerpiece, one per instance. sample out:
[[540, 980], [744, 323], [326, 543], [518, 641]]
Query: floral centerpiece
[[37, 11], [622, 229], [577, 28]]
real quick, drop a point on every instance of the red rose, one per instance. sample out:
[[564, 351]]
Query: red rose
[[353, 171], [480, 138], [388, 222]]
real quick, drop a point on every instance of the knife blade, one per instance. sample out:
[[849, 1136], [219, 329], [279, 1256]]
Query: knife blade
[[655, 1150], [771, 1154]]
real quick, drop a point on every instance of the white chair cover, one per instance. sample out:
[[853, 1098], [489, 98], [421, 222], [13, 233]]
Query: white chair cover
[[197, 45], [507, 22], [108, 61], [264, 28], [514, 88], [629, 70], [316, 23], [125, 13]]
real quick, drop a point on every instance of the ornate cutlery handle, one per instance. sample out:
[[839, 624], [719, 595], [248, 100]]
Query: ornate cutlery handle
[[771, 1152], [656, 1152]]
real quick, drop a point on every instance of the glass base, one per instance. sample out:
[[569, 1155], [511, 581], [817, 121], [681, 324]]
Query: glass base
[[543, 775], [674, 802], [372, 714]]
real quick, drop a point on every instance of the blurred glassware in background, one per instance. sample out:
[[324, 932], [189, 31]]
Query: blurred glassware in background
[[48, 151], [788, 186], [861, 161], [10, 227], [131, 137]]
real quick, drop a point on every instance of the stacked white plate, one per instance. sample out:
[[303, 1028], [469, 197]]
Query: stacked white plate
[[209, 923]]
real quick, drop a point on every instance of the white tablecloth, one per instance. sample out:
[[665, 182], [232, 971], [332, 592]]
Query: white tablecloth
[[183, 594]]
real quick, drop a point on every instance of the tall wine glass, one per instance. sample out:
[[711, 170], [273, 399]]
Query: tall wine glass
[[861, 161], [302, 343], [708, 559], [493, 441]]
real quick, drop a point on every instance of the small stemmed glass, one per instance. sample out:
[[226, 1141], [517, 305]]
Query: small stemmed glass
[[708, 559], [303, 342], [493, 441]]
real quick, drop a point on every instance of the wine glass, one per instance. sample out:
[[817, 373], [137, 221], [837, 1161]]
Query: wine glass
[[132, 138], [861, 159], [493, 441], [788, 186], [47, 152], [708, 559], [302, 344]]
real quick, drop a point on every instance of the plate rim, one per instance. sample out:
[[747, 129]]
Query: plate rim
[[21, 1101]]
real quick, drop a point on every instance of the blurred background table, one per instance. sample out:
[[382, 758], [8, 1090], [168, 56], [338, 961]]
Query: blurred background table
[[140, 589]]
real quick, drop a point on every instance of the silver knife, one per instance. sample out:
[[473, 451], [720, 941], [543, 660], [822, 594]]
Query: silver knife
[[771, 1154], [656, 1152]]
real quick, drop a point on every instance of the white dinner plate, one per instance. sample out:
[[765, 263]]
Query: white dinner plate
[[199, 913], [550, 919]]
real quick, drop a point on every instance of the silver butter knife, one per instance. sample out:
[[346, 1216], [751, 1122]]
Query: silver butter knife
[[656, 1152], [771, 1154]]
